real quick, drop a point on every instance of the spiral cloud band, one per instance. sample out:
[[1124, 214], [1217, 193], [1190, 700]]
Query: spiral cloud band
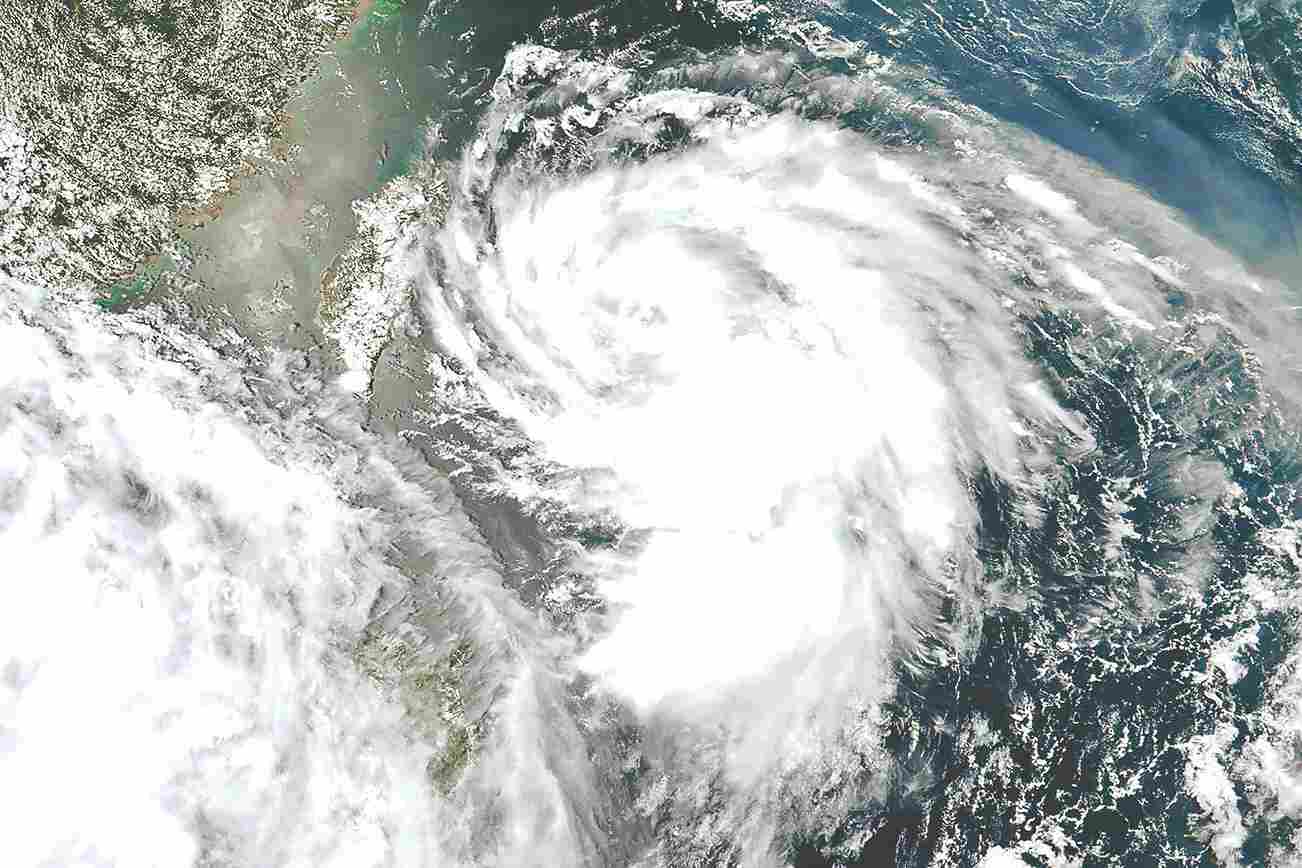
[[740, 457]]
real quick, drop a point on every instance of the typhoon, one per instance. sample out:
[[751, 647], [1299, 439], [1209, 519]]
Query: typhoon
[[756, 454]]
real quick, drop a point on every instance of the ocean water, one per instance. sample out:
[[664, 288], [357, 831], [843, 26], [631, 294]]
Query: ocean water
[[659, 434]]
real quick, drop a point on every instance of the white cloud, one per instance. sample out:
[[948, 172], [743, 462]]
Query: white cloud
[[782, 359]]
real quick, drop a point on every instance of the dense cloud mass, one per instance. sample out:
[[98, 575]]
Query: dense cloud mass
[[195, 568], [700, 339], [750, 457]]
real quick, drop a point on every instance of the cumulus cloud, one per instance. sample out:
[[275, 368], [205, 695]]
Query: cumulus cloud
[[176, 586], [226, 618]]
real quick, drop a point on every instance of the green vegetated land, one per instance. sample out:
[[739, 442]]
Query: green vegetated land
[[123, 114], [376, 34]]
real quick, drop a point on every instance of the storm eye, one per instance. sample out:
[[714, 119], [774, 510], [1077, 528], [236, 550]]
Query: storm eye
[[142, 501]]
